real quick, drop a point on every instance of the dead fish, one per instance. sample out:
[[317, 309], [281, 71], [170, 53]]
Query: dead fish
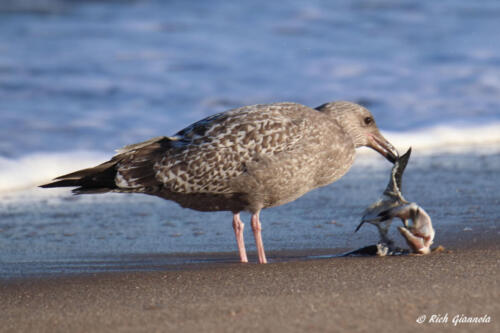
[[377, 213], [420, 233]]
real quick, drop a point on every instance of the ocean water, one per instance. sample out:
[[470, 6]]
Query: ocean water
[[79, 79], [87, 77]]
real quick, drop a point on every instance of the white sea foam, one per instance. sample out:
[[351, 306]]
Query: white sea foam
[[32, 170], [35, 169], [481, 139], [448, 139]]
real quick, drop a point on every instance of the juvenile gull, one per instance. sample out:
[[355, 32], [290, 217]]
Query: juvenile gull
[[244, 159]]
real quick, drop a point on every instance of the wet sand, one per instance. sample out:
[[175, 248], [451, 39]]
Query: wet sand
[[337, 294], [153, 283]]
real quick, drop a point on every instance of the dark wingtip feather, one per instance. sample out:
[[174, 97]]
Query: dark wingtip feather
[[92, 180], [139, 157]]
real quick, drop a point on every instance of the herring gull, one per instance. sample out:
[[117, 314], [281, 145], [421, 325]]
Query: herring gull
[[244, 159]]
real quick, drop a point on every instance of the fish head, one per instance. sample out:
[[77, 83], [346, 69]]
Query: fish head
[[419, 234], [360, 124]]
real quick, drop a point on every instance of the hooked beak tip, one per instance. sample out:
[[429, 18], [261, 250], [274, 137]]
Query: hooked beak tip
[[391, 157], [380, 144]]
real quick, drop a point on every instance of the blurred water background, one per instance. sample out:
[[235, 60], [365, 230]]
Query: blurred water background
[[79, 79]]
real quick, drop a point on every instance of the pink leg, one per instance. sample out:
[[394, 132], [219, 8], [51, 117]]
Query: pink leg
[[238, 231], [256, 227]]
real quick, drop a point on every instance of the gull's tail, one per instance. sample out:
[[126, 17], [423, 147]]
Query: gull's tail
[[98, 179], [133, 165]]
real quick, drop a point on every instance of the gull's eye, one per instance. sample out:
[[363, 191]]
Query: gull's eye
[[368, 120]]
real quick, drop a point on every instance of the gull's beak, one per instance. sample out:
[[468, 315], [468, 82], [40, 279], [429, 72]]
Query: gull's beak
[[384, 147]]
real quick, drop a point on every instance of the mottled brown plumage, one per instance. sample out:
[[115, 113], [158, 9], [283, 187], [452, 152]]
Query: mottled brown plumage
[[248, 158]]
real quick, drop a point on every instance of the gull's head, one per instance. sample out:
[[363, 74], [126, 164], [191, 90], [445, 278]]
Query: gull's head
[[359, 123]]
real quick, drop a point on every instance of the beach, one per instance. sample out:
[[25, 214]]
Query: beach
[[125, 263], [65, 269], [80, 79], [321, 295], [96, 279]]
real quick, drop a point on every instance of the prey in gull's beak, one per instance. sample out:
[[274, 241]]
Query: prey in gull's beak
[[418, 234], [384, 147]]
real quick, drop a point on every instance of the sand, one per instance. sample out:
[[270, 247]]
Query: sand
[[48, 283], [338, 294]]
